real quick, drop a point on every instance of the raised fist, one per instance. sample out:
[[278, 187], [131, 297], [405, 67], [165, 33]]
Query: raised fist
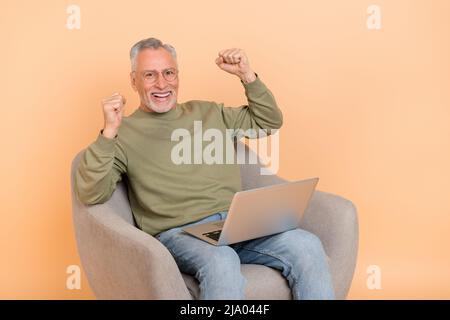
[[113, 107], [235, 61]]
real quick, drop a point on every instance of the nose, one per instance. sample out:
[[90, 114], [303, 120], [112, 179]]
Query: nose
[[161, 82]]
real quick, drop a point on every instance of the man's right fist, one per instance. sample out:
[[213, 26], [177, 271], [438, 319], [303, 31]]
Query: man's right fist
[[113, 107]]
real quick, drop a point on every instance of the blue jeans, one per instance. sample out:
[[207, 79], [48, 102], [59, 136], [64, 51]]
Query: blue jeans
[[297, 254]]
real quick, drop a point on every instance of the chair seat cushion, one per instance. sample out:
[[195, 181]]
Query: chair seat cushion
[[263, 283]]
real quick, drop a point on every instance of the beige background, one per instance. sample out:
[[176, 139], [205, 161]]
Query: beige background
[[365, 110]]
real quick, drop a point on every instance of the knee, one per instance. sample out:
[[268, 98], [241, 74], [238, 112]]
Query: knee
[[310, 240], [220, 277], [307, 245], [222, 258]]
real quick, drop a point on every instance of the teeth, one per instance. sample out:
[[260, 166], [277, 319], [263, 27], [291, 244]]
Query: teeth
[[161, 95]]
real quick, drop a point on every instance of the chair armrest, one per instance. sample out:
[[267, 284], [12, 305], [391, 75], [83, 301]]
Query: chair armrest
[[330, 217], [123, 262], [334, 220]]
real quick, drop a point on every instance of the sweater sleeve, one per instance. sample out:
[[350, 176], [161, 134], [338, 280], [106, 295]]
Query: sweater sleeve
[[100, 169], [261, 112]]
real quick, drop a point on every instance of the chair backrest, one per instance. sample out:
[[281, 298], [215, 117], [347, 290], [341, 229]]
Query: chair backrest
[[119, 205]]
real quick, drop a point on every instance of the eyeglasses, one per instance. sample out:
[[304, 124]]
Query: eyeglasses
[[151, 76]]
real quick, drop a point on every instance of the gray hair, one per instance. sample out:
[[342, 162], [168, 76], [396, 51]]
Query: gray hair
[[152, 43]]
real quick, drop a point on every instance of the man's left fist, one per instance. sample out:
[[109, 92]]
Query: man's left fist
[[235, 61]]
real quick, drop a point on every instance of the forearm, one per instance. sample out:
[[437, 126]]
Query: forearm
[[262, 111], [98, 172], [263, 108]]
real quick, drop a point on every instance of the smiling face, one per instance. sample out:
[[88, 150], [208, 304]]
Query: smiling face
[[157, 94]]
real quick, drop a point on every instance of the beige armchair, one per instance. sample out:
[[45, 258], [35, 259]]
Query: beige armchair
[[123, 262]]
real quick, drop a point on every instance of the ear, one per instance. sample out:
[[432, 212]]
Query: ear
[[133, 80]]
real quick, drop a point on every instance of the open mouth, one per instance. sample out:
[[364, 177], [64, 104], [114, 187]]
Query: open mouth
[[161, 96]]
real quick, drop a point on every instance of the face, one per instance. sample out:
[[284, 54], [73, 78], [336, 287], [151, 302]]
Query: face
[[157, 94]]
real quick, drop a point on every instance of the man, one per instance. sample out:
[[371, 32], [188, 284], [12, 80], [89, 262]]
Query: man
[[164, 196]]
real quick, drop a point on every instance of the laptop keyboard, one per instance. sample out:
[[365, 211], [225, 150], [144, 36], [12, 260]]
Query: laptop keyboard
[[213, 234]]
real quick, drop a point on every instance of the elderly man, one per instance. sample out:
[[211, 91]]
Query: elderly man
[[165, 196]]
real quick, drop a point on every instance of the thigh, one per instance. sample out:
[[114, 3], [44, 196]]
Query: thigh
[[282, 249], [191, 254]]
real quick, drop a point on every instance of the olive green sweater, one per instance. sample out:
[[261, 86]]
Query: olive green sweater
[[164, 193]]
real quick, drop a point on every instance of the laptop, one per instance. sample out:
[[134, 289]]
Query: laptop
[[259, 212]]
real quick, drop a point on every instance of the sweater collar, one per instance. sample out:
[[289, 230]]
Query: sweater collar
[[172, 114]]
